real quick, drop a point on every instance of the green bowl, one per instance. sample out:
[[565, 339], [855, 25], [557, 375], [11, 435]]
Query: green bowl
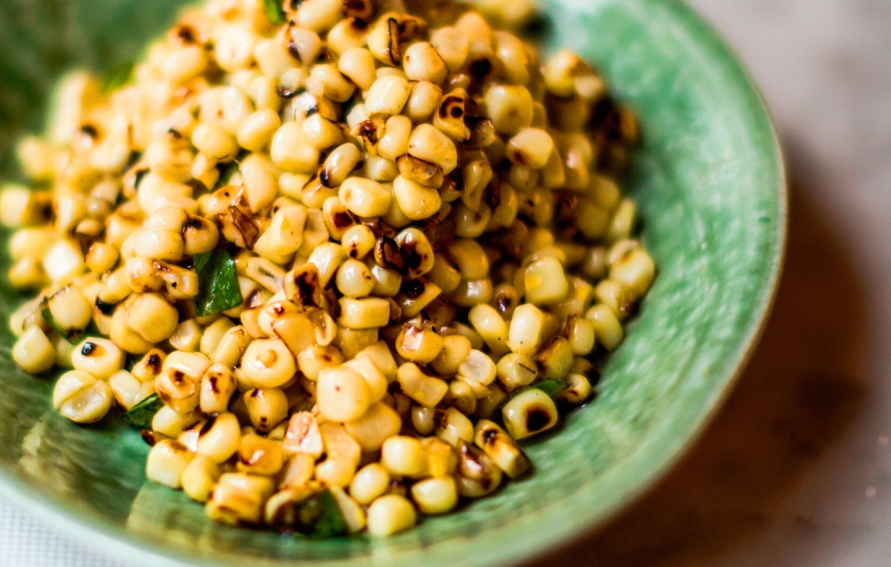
[[709, 181]]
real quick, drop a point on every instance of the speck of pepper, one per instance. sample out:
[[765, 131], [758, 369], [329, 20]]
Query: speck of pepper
[[88, 348]]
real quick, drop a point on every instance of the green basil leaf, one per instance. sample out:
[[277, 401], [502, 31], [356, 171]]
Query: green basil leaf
[[274, 11], [320, 517], [119, 76], [218, 283], [140, 416]]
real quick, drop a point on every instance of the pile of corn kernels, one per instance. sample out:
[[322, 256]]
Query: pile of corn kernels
[[333, 258]]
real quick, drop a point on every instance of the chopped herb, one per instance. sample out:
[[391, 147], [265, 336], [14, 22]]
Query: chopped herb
[[119, 76], [320, 516], [140, 416], [274, 11], [218, 283]]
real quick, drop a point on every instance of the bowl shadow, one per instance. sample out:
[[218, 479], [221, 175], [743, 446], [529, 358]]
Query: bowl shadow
[[801, 388]]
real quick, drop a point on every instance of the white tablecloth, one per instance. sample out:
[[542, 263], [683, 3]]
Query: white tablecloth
[[25, 542]]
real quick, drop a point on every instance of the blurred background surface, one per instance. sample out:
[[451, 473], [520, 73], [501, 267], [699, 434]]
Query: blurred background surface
[[796, 469]]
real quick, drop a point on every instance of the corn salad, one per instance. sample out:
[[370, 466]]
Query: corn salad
[[334, 258]]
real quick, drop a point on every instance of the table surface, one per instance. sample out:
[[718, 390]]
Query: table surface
[[796, 469]]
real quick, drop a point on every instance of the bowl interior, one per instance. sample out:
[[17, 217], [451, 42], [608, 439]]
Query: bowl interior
[[709, 184]]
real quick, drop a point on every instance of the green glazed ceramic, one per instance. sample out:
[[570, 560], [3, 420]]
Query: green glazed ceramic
[[710, 186]]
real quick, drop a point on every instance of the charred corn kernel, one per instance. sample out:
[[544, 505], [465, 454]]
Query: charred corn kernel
[[470, 293], [545, 281], [422, 62], [491, 327], [70, 308], [238, 498], [425, 390], [268, 363], [213, 141], [149, 366], [528, 413], [427, 143], [387, 95], [468, 257], [63, 261], [342, 394], [581, 335], [444, 274], [635, 271], [530, 147], [404, 456], [435, 495], [151, 316], [358, 65], [477, 474], [390, 514], [232, 346], [488, 406], [213, 335], [460, 396], [303, 435], [478, 366], [33, 351], [258, 455], [101, 257], [555, 359], [167, 461], [453, 427], [364, 313], [380, 354], [318, 15], [315, 358], [516, 370], [375, 378], [526, 329], [325, 80], [298, 471], [394, 143], [99, 357], [452, 47], [364, 197], [375, 427], [423, 100], [503, 451], [171, 424], [379, 169], [199, 478], [422, 419], [220, 437], [414, 200], [607, 328], [622, 222], [510, 109], [419, 345], [292, 151], [578, 390], [370, 482], [358, 241], [267, 407], [186, 336], [327, 258], [455, 351], [125, 388], [216, 388]]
